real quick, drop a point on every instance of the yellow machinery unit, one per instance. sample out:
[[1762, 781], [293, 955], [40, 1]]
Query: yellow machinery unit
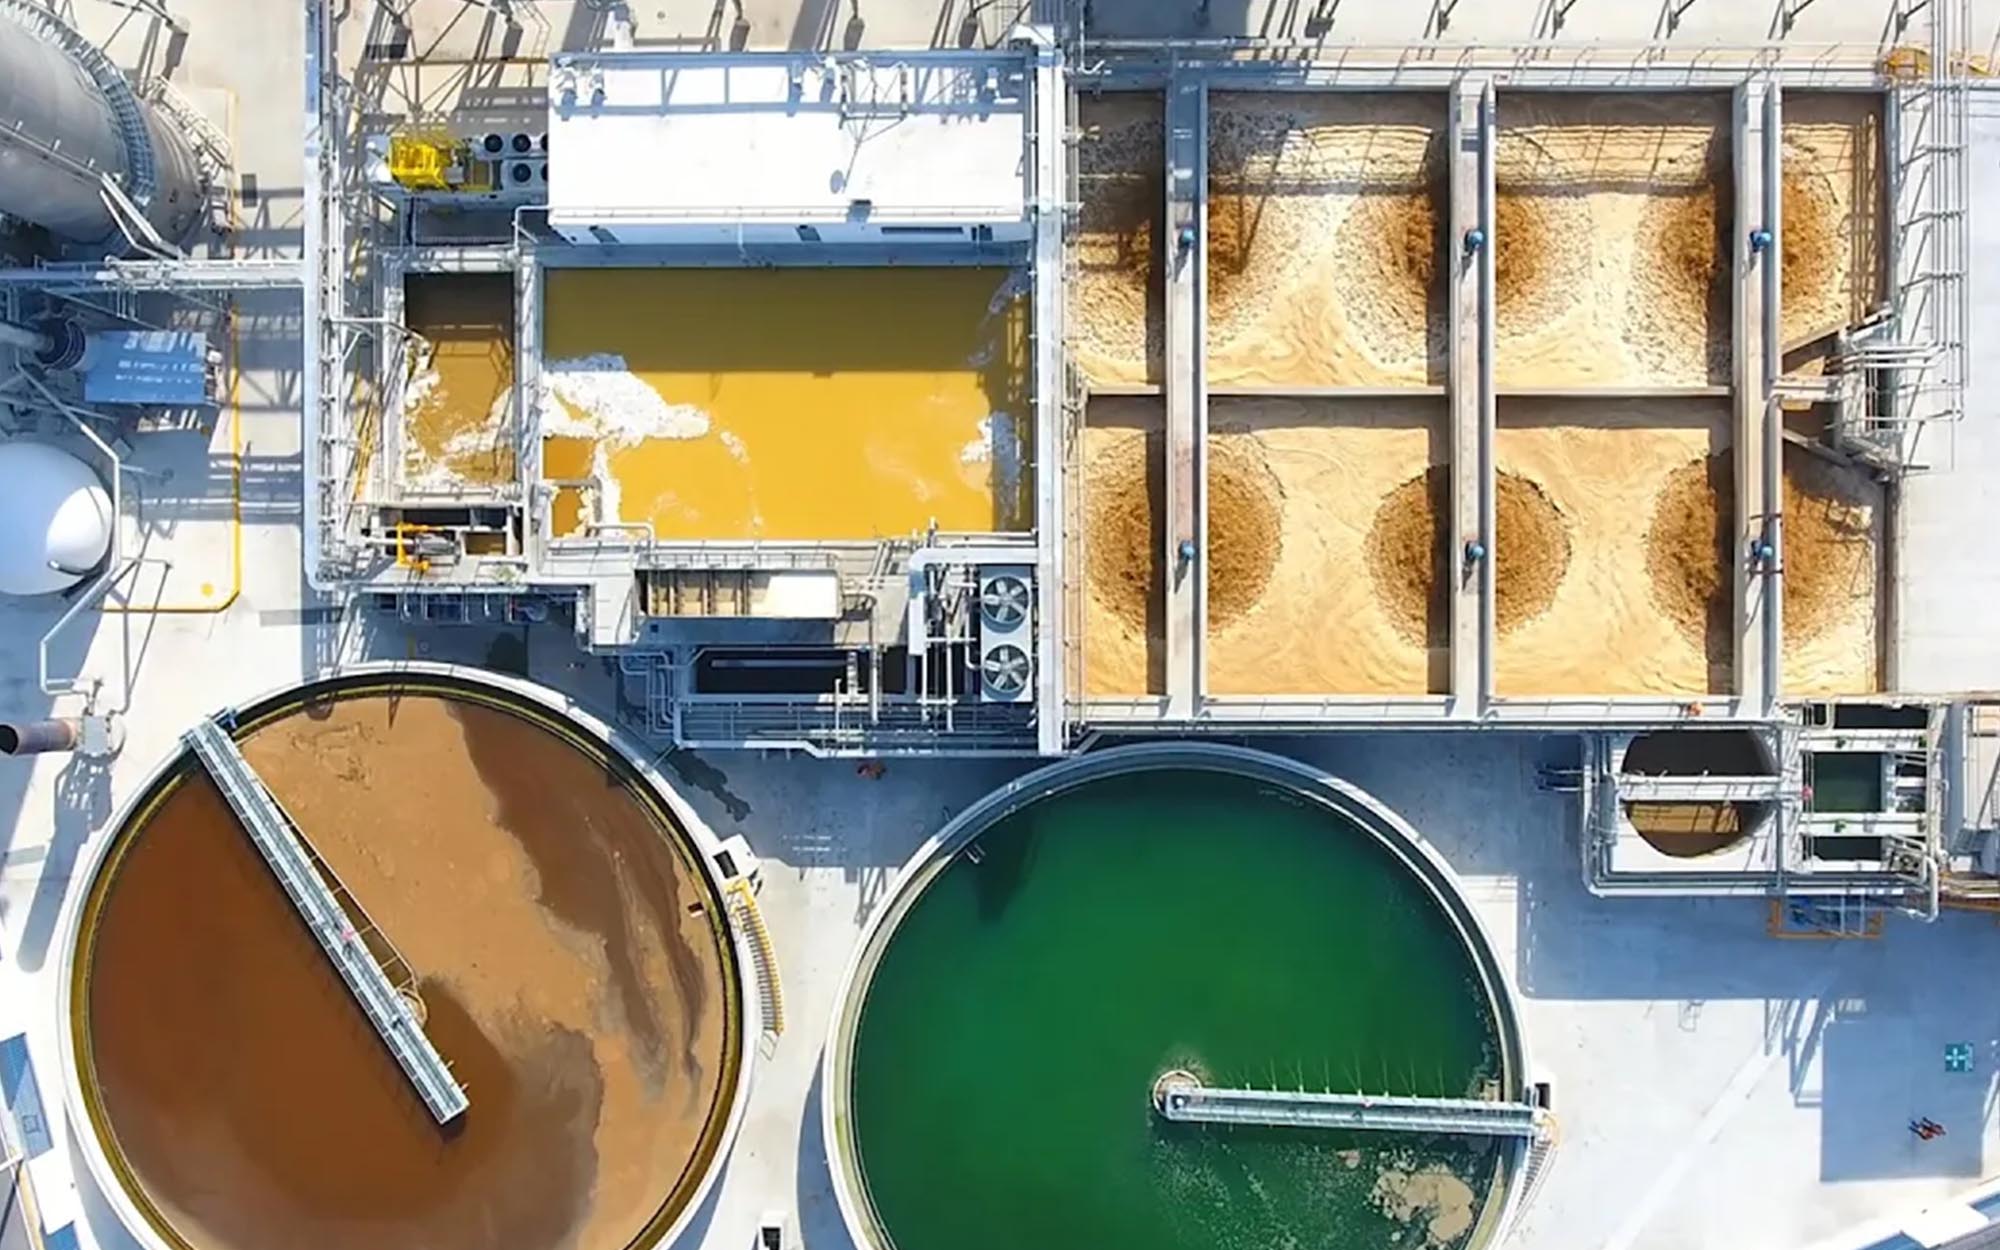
[[432, 160]]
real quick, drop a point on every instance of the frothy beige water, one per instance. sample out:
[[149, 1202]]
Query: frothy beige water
[[807, 403], [458, 426]]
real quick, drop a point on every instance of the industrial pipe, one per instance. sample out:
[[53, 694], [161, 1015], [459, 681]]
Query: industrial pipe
[[40, 737], [72, 130], [23, 338]]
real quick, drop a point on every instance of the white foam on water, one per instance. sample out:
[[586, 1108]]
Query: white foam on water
[[598, 397], [418, 388], [999, 442], [609, 496], [477, 441], [602, 398], [979, 450]]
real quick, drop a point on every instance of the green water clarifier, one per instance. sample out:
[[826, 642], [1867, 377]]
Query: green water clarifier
[[1195, 919]]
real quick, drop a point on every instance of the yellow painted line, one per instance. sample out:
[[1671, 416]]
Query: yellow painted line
[[30, 1211]]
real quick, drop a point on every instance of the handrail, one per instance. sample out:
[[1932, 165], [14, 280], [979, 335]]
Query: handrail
[[292, 862], [1181, 1098]]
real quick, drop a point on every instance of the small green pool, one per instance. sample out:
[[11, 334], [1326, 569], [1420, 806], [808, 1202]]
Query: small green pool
[[1844, 781], [1015, 1021]]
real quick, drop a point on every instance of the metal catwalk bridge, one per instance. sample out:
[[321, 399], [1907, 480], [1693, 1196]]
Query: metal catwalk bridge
[[1191, 1103], [277, 838], [1700, 788]]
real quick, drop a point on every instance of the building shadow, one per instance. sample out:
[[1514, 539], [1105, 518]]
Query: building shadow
[[22, 624], [1195, 19], [81, 806], [1885, 1064], [695, 1235], [818, 1212], [107, 1231]]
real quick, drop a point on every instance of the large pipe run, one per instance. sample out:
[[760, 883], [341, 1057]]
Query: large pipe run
[[68, 122], [40, 737]]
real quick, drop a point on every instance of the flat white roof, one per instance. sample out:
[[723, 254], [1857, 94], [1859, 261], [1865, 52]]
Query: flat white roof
[[910, 138]]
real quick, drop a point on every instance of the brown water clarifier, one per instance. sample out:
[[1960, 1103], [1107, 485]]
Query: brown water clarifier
[[570, 962]]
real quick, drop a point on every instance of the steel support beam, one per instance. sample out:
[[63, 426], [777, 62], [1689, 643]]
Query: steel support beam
[[315, 333], [1470, 391], [1545, 66], [1755, 556], [302, 876], [1183, 257], [1705, 788], [1051, 143], [193, 274], [1307, 1109]]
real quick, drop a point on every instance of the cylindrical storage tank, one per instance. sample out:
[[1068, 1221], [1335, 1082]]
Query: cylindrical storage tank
[[59, 132], [1168, 912], [551, 905], [55, 519]]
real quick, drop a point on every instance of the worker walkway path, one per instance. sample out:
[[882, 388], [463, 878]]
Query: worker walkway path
[[1697, 788], [1190, 1103], [277, 838]]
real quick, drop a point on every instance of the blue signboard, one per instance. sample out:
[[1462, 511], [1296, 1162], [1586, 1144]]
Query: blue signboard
[[154, 368], [23, 1097]]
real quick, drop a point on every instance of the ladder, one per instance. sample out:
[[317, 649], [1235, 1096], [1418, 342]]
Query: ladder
[[1918, 373], [277, 838], [1541, 1156], [770, 992]]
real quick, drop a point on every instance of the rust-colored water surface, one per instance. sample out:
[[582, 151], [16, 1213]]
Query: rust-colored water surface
[[569, 958]]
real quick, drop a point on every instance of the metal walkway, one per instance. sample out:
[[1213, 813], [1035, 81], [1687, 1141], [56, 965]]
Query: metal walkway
[[1697, 788], [192, 274], [1198, 1104], [277, 838]]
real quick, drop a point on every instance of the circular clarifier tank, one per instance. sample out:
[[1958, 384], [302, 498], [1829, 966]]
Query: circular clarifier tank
[[1174, 912], [550, 906]]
